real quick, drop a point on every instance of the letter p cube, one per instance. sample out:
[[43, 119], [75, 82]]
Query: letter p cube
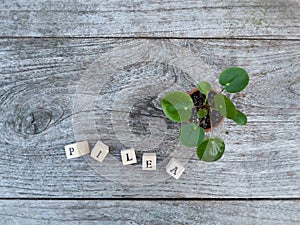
[[77, 149]]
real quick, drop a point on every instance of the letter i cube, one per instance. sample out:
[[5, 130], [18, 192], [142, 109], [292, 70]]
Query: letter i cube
[[100, 151]]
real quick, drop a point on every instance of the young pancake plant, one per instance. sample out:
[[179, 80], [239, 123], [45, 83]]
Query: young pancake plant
[[178, 107]]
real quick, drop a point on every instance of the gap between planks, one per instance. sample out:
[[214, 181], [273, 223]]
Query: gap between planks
[[154, 199], [153, 38]]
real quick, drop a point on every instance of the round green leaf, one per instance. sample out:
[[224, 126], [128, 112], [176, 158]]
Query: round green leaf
[[191, 135], [201, 113], [234, 79], [204, 87], [211, 149], [177, 106], [240, 118], [225, 106]]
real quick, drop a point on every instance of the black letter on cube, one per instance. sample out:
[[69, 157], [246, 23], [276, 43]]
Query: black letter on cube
[[71, 150]]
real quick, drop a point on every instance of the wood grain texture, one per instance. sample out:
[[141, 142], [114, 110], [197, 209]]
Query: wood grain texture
[[38, 84], [150, 212], [188, 18]]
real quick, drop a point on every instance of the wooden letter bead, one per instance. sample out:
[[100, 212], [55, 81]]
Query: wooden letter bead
[[77, 149], [175, 168], [149, 161], [128, 156], [100, 151]]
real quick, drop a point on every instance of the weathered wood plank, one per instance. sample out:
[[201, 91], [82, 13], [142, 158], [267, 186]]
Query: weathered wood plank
[[149, 212], [185, 18], [38, 85]]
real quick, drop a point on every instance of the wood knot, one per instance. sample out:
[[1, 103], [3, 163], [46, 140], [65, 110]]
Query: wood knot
[[34, 122], [295, 87]]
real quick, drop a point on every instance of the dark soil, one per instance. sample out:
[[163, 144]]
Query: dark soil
[[198, 100]]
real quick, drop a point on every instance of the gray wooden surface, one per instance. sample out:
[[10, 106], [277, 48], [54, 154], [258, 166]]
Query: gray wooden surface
[[191, 18], [50, 48], [150, 212]]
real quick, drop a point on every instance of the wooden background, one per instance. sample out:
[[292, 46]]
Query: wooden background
[[47, 47]]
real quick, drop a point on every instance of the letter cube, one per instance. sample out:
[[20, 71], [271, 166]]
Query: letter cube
[[99, 151], [149, 161], [128, 156], [175, 168], [77, 149]]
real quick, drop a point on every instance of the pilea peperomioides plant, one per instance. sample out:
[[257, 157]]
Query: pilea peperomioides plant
[[208, 105]]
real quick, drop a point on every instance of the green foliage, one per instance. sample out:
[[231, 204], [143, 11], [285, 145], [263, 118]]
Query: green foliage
[[202, 113], [177, 106], [225, 106], [191, 135], [204, 87], [234, 79], [211, 149], [240, 118]]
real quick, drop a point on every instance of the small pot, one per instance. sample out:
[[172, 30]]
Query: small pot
[[215, 114]]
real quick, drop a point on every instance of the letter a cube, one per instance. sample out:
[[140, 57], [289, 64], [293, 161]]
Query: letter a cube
[[99, 151], [175, 168], [77, 149]]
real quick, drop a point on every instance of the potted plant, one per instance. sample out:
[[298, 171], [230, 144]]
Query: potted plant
[[203, 110]]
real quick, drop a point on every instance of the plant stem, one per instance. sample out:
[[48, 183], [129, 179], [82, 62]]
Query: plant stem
[[206, 98], [222, 90], [210, 120], [198, 106]]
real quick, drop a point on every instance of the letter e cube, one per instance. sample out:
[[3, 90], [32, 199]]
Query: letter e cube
[[149, 161]]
